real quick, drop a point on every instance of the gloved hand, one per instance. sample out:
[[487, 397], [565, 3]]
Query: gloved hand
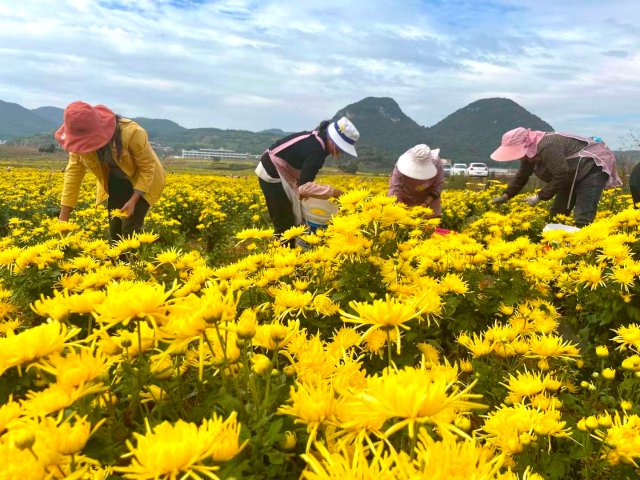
[[532, 200], [498, 200]]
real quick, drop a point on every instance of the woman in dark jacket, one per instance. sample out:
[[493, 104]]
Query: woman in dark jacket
[[288, 168], [575, 168]]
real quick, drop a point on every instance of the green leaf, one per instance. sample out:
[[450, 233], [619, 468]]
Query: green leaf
[[273, 433]]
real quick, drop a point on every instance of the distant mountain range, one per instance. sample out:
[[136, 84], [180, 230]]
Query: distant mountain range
[[467, 135]]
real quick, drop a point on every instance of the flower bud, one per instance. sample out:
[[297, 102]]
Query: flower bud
[[605, 420], [261, 364], [591, 422], [602, 351], [466, 366], [463, 423], [247, 324], [609, 373], [289, 441], [24, 439]]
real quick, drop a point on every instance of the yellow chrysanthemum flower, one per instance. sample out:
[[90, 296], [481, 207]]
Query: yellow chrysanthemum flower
[[185, 449]]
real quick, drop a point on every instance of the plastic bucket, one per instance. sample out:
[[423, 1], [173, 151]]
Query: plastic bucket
[[317, 212], [559, 226]]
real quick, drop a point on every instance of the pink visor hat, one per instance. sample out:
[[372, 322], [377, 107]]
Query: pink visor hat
[[513, 145]]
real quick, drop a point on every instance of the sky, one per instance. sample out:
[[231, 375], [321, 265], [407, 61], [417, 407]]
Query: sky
[[259, 64]]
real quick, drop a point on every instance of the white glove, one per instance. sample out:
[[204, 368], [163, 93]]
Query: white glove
[[532, 200]]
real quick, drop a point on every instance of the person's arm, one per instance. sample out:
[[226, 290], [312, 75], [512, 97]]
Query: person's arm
[[554, 159], [395, 183], [73, 175], [434, 191], [521, 178], [145, 160]]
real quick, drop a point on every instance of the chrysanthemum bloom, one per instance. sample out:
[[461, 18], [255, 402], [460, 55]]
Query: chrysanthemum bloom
[[477, 345], [9, 412], [551, 346], [623, 276], [146, 237], [590, 275], [254, 233], [289, 300], [312, 405], [73, 436], [621, 440], [324, 305], [504, 428], [55, 308], [57, 397], [376, 341], [631, 363], [276, 335], [414, 396], [77, 366], [452, 459], [351, 199], [453, 283], [429, 352], [34, 343], [628, 336], [182, 450], [527, 384], [126, 301], [347, 462], [387, 314]]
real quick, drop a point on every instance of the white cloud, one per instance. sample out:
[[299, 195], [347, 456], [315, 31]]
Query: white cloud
[[273, 63]]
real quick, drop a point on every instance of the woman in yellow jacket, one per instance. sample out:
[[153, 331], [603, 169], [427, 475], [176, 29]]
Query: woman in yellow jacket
[[117, 150]]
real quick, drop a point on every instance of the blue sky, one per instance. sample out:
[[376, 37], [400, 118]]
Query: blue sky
[[284, 64]]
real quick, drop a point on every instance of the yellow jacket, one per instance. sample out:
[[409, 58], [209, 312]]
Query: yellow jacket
[[139, 162]]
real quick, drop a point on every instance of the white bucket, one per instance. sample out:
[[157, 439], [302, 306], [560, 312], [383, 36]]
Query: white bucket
[[559, 226], [317, 212]]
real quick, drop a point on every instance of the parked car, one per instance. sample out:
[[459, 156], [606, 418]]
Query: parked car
[[447, 170], [478, 170], [459, 169]]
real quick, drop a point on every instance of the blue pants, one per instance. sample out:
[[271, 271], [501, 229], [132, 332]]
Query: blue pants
[[584, 200]]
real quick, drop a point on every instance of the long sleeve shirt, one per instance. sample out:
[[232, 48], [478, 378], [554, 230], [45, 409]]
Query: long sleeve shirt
[[554, 164], [307, 155], [413, 192]]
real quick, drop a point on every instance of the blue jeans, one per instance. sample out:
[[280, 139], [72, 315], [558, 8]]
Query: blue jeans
[[584, 200]]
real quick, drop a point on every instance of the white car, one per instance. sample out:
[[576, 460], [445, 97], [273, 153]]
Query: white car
[[459, 169], [478, 170]]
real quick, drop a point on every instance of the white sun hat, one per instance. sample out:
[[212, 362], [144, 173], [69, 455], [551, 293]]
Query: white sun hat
[[419, 162], [344, 135]]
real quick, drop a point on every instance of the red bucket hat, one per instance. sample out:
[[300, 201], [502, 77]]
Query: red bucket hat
[[86, 128]]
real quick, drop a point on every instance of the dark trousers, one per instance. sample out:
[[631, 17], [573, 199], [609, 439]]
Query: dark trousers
[[634, 185], [120, 191], [584, 200], [279, 206]]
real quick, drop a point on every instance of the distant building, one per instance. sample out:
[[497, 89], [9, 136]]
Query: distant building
[[216, 154], [2, 142]]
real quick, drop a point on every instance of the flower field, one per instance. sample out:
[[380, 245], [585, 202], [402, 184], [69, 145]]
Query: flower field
[[204, 349]]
